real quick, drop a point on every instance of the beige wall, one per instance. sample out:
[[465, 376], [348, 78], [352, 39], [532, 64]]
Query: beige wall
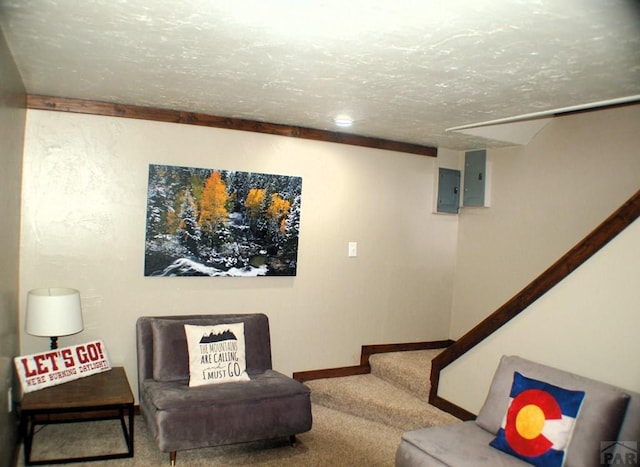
[[83, 226], [12, 121], [546, 197], [587, 324]]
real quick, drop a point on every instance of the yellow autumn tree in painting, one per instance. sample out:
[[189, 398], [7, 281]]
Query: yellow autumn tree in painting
[[278, 210], [254, 201], [213, 203]]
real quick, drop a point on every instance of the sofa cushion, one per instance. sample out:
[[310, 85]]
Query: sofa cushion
[[216, 353], [460, 444], [269, 406], [170, 355], [539, 421], [600, 416], [178, 396]]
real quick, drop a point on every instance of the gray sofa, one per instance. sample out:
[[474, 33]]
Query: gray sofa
[[179, 417], [607, 428]]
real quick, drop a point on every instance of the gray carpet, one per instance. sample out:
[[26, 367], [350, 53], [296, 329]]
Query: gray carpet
[[337, 439], [357, 421]]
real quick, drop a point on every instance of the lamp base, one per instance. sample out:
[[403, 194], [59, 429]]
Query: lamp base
[[54, 343]]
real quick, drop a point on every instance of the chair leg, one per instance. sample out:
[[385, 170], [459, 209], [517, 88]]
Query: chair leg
[[292, 440], [172, 457]]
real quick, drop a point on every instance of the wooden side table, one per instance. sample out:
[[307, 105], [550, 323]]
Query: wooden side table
[[102, 396]]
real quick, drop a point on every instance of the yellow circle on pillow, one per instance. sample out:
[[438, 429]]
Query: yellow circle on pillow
[[530, 421]]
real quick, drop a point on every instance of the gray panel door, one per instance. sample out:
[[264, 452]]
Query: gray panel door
[[474, 177], [448, 190]]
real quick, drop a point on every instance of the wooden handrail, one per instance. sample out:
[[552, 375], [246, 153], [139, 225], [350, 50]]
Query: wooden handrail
[[591, 244]]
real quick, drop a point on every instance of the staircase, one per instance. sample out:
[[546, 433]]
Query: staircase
[[395, 393]]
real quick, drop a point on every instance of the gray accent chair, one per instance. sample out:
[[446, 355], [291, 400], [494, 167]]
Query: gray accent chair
[[608, 414], [270, 405]]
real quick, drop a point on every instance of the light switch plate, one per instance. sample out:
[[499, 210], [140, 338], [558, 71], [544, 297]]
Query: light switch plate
[[353, 249]]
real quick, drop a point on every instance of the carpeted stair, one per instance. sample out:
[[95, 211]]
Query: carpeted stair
[[394, 394]]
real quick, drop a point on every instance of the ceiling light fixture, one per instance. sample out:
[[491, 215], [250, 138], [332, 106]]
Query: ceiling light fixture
[[343, 120]]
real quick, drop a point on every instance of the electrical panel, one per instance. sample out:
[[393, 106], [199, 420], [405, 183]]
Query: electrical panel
[[475, 176], [448, 190]]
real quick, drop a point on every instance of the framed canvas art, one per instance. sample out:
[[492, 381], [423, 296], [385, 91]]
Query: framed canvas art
[[210, 222]]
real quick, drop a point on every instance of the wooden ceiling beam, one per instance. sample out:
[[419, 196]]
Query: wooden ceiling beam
[[65, 104]]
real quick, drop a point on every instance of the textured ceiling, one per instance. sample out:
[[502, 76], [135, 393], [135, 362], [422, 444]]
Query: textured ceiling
[[405, 70]]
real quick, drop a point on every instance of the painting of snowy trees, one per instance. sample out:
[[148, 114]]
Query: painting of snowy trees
[[207, 222]]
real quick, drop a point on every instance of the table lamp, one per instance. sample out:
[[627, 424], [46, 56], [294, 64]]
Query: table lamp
[[53, 312]]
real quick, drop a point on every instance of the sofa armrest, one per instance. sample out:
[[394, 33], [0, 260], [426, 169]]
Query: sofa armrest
[[144, 349]]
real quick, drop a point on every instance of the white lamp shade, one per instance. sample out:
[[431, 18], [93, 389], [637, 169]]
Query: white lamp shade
[[53, 312]]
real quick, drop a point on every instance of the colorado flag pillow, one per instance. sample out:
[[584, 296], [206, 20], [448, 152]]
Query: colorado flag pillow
[[539, 421]]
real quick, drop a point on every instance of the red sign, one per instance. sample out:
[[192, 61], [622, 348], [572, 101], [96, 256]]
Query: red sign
[[59, 366]]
